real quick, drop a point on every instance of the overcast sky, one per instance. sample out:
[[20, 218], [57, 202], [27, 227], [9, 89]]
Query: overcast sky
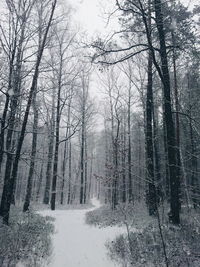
[[89, 13]]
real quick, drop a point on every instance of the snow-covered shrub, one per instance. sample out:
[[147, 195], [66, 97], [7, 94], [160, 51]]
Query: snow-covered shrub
[[27, 240], [145, 248], [105, 216]]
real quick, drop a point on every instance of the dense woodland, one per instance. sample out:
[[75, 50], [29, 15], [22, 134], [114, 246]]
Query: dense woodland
[[136, 140]]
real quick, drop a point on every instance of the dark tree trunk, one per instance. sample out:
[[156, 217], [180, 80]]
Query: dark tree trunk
[[46, 198], [83, 131], [33, 155], [85, 172], [64, 169], [90, 179], [151, 191], [40, 180], [116, 168], [167, 191], [70, 173], [159, 189], [151, 196], [82, 158], [177, 122], [57, 130], [124, 166], [3, 124], [66, 150], [55, 165], [193, 164], [170, 129], [130, 186]]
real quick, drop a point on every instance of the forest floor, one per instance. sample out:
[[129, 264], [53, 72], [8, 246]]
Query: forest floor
[[142, 245], [77, 244]]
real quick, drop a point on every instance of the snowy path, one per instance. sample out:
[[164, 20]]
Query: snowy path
[[78, 244]]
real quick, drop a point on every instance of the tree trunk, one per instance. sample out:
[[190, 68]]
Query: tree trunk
[[33, 155], [159, 190], [55, 165], [130, 186], [40, 180], [85, 172], [46, 198], [82, 157], [151, 197], [66, 149], [124, 166], [151, 193], [70, 173], [170, 129], [90, 180]]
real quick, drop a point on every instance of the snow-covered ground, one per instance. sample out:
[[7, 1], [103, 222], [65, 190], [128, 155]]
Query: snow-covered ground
[[77, 244]]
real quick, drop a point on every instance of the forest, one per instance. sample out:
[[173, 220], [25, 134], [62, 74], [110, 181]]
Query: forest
[[99, 134]]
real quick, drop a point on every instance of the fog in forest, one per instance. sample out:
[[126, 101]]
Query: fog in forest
[[99, 133]]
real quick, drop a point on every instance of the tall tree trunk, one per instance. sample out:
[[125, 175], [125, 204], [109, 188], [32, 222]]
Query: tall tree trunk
[[151, 193], [46, 198], [57, 131], [82, 156], [130, 186], [151, 197], [85, 171], [124, 165], [66, 150], [159, 190], [167, 179], [170, 129], [140, 174], [193, 164], [116, 167], [83, 139], [90, 179], [177, 122], [39, 185], [70, 174], [33, 155]]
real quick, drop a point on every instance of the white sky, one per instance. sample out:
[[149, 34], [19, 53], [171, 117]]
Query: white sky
[[91, 15], [92, 18]]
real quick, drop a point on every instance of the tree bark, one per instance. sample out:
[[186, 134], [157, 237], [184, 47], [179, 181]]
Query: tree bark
[[82, 155], [85, 171], [33, 156], [57, 131], [130, 186], [151, 193], [151, 197], [70, 173], [46, 198], [170, 129]]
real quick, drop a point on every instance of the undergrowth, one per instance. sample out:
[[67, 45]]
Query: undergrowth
[[145, 248], [104, 216], [27, 239], [141, 246]]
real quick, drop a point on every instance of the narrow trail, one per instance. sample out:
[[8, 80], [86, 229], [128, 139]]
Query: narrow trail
[[77, 244]]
